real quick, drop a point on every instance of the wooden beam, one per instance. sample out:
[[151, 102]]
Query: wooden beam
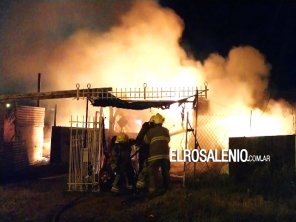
[[56, 94]]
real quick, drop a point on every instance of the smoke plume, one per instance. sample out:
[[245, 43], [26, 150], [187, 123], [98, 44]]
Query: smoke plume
[[111, 44]]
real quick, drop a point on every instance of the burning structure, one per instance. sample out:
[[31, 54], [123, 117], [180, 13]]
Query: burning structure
[[142, 45], [88, 137]]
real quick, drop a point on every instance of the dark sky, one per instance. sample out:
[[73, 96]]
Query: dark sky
[[269, 26]]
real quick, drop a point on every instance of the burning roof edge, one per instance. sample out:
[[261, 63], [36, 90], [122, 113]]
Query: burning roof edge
[[135, 105]]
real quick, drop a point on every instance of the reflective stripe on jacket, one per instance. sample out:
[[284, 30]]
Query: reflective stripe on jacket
[[158, 139]]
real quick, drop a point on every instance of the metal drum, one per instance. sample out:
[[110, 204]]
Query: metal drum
[[29, 127]]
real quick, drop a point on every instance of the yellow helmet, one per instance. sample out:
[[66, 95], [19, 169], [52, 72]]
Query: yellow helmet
[[158, 119], [121, 138], [152, 119]]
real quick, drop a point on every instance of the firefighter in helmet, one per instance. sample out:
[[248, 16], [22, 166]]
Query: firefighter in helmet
[[143, 147], [143, 153], [158, 138], [121, 164]]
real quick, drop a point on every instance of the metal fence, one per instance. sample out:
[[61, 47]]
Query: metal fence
[[158, 93], [212, 132], [145, 93], [86, 154]]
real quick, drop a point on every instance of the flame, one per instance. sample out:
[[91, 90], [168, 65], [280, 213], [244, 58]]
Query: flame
[[46, 148], [37, 144], [247, 124], [143, 47]]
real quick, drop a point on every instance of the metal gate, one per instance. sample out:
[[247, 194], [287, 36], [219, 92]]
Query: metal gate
[[86, 153]]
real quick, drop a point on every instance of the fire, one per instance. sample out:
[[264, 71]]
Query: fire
[[248, 124], [143, 47], [46, 148], [36, 145]]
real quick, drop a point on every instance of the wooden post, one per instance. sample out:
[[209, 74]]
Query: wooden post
[[38, 87], [86, 120], [55, 115]]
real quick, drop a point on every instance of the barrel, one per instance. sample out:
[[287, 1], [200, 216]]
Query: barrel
[[29, 126]]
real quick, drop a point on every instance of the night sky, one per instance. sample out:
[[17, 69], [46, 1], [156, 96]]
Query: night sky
[[269, 26]]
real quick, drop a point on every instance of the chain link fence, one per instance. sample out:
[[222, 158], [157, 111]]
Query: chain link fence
[[213, 132]]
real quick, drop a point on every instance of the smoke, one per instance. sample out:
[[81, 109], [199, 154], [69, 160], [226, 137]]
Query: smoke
[[106, 44], [31, 31], [242, 76], [126, 44], [142, 48]]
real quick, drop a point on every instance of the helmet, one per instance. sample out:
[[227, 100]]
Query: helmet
[[158, 119], [121, 138], [152, 119]]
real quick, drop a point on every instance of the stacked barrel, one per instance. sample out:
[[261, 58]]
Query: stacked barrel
[[29, 125]]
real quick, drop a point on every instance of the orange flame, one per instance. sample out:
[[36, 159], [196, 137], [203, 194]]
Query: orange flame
[[144, 47]]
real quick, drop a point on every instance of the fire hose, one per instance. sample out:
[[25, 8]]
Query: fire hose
[[70, 204], [135, 153]]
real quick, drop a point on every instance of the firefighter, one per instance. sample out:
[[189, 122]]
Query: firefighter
[[121, 164], [143, 154], [143, 147], [158, 139]]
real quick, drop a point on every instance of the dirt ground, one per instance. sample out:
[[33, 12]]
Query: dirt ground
[[46, 199]]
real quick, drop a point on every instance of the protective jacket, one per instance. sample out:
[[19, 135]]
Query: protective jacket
[[144, 148], [122, 166], [158, 139], [120, 155]]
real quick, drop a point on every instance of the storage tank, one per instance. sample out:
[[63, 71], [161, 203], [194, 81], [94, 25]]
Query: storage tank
[[29, 125]]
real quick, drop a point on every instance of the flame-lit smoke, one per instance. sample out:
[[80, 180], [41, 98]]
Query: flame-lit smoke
[[142, 48], [242, 77], [240, 104], [109, 44], [32, 31]]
